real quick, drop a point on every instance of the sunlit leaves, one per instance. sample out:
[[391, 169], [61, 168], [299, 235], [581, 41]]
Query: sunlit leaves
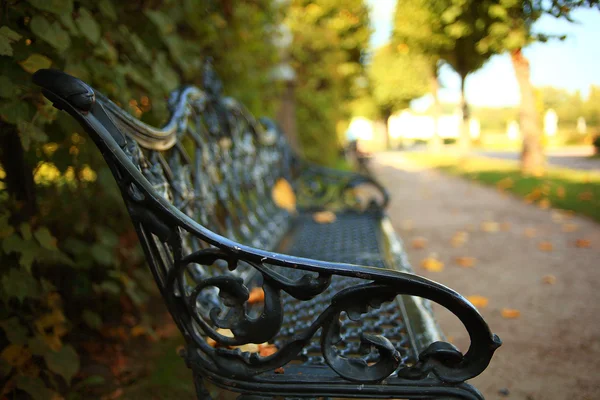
[[7, 37], [51, 33], [53, 6], [64, 362], [19, 284], [88, 26], [34, 62]]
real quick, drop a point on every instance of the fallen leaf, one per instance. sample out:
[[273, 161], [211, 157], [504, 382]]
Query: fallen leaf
[[224, 332], [257, 295], [15, 355], [545, 246], [569, 227], [505, 226], [324, 217], [432, 264], [505, 183], [249, 348], [490, 226], [466, 262], [560, 192], [279, 370], [419, 243], [585, 196], [478, 301], [529, 232], [534, 195], [138, 330], [265, 349], [510, 313], [557, 216], [283, 195], [459, 238], [549, 279], [582, 243], [544, 204]]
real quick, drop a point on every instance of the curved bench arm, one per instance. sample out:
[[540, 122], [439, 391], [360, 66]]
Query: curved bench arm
[[161, 223]]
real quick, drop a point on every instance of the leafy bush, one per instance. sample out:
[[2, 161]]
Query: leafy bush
[[63, 227]]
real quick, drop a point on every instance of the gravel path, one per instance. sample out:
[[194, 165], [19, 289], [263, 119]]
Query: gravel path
[[552, 351]]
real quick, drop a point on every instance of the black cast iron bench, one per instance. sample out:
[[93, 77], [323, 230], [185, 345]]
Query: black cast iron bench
[[343, 308]]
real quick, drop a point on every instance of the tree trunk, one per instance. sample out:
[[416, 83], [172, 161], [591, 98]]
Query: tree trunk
[[465, 135], [436, 144], [532, 154], [386, 120], [19, 174]]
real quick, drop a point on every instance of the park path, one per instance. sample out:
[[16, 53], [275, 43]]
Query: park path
[[524, 261]]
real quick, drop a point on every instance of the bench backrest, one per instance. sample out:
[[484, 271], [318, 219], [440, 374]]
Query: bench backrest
[[212, 160]]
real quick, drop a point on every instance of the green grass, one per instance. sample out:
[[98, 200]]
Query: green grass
[[562, 188]]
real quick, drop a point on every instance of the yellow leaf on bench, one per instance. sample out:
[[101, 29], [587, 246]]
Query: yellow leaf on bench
[[324, 217], [283, 195]]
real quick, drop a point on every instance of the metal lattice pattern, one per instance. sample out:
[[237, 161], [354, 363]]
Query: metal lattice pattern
[[352, 238]]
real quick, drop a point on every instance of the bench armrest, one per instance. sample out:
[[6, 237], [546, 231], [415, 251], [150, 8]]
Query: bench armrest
[[380, 286]]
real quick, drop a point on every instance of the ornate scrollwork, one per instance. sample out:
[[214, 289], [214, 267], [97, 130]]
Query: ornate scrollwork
[[201, 297]]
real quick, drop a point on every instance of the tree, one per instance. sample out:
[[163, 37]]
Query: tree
[[397, 77], [329, 41], [450, 31], [511, 33], [418, 30]]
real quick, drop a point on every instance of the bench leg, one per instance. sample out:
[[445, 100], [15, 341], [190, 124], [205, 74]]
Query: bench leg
[[201, 391]]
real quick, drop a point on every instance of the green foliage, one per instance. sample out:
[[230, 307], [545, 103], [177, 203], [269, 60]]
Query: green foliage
[[596, 143], [329, 39], [77, 240], [397, 78]]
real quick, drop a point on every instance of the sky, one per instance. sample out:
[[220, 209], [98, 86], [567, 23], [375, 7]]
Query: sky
[[572, 64]]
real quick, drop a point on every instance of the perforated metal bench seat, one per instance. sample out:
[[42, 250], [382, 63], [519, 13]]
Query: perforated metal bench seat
[[345, 312]]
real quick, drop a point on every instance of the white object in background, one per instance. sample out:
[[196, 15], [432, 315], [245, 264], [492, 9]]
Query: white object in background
[[550, 122], [512, 130], [581, 126], [360, 128]]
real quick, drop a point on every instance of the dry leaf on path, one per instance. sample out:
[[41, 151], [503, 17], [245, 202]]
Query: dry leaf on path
[[549, 279], [466, 262], [569, 227], [510, 313], [432, 264], [324, 217], [545, 246], [459, 238], [257, 295], [283, 195], [505, 226], [490, 226], [478, 301], [419, 243], [529, 232], [582, 243], [544, 204], [279, 370]]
